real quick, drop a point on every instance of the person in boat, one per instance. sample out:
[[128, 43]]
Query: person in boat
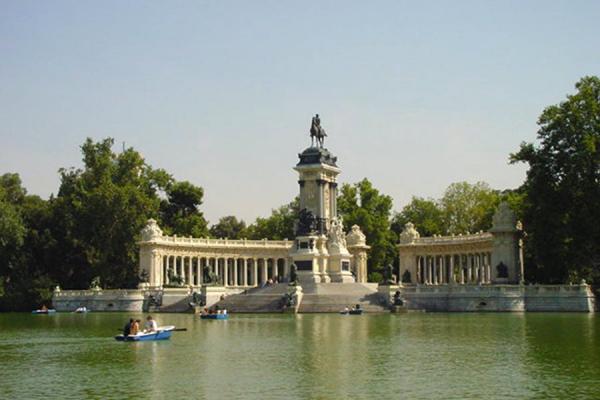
[[44, 308], [204, 311], [135, 327], [127, 328], [151, 325], [346, 310]]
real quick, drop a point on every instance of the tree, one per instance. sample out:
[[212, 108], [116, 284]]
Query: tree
[[229, 227], [363, 205], [468, 207], [280, 225], [562, 188], [180, 211], [24, 239], [426, 214]]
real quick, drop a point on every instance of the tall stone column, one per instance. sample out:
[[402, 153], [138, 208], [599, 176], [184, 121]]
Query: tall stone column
[[451, 278], [189, 271], [254, 272], [225, 272], [265, 271], [235, 271], [469, 268]]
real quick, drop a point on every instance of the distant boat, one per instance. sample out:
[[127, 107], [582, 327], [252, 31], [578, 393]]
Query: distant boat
[[162, 333], [214, 316], [44, 311], [81, 310], [357, 311]]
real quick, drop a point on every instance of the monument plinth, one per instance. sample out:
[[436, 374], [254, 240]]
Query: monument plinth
[[319, 251]]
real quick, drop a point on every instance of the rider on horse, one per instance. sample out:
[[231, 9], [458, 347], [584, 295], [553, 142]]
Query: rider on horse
[[316, 131]]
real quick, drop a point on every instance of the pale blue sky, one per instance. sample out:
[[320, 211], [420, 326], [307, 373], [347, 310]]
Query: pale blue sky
[[414, 95]]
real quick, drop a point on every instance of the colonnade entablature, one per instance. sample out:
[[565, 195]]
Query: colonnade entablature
[[472, 258]]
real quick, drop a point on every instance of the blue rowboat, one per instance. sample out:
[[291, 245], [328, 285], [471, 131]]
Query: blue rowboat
[[162, 333], [214, 316], [49, 311]]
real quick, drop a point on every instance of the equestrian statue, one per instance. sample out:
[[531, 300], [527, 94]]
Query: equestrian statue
[[317, 132]]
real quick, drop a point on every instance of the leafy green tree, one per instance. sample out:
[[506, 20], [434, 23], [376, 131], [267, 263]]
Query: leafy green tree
[[562, 188], [363, 205], [426, 214], [468, 207], [229, 227], [98, 214], [24, 239], [181, 213], [280, 225]]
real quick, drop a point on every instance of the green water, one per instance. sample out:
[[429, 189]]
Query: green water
[[412, 356]]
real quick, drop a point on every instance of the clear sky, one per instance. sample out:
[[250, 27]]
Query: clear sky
[[414, 95]]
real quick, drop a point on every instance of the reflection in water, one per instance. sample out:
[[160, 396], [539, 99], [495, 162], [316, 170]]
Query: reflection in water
[[411, 355]]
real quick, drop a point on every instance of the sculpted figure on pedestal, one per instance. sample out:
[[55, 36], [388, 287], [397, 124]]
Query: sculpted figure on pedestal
[[209, 277], [316, 131], [151, 231], [409, 234], [355, 237], [337, 239], [306, 223]]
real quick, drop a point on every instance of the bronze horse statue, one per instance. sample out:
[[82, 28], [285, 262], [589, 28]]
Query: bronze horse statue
[[317, 132]]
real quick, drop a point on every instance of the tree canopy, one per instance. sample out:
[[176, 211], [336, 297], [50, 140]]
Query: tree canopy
[[562, 188], [91, 227], [229, 227], [280, 225], [363, 205], [464, 207]]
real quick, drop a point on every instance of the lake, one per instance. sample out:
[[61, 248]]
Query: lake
[[405, 356]]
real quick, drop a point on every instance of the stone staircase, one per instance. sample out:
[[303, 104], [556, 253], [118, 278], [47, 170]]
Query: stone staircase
[[256, 300], [333, 297], [317, 298]]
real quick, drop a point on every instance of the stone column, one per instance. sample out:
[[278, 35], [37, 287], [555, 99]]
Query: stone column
[[189, 271], [451, 279], [469, 268], [265, 272], [235, 271], [255, 272], [436, 270], [199, 271], [225, 271], [462, 269]]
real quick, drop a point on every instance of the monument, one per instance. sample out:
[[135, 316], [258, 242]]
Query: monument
[[320, 252]]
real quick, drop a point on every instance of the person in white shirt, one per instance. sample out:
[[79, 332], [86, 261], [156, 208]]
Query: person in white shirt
[[150, 325]]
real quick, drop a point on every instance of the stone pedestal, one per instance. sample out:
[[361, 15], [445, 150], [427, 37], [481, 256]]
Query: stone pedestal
[[212, 294], [339, 268], [308, 257]]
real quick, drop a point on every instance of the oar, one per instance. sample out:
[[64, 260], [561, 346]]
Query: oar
[[172, 330]]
